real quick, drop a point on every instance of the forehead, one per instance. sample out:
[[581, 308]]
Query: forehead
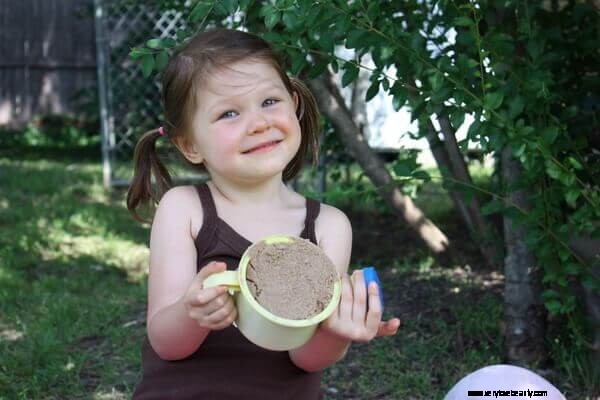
[[238, 79]]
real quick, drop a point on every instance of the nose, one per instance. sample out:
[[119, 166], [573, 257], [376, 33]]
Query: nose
[[259, 123]]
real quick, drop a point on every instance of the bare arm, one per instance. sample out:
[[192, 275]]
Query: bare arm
[[173, 334], [352, 320], [325, 349]]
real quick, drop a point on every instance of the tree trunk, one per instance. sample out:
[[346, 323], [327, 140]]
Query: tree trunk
[[481, 230], [441, 158], [589, 250], [358, 108], [524, 311], [332, 105]]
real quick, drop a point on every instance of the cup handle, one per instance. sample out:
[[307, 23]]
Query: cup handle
[[227, 278]]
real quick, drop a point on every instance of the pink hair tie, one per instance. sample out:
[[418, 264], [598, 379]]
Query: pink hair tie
[[161, 131]]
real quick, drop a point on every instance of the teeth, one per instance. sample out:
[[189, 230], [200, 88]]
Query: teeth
[[266, 145]]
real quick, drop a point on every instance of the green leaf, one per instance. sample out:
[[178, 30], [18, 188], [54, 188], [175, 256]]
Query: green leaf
[[471, 63], [550, 133], [137, 53], [474, 131], [290, 20], [225, 7], [457, 117], [436, 80], [492, 101], [463, 21], [350, 74], [200, 11], [317, 69], [515, 106], [230, 5], [326, 42], [572, 196], [335, 66], [385, 83], [182, 34], [272, 19], [402, 169], [423, 175], [576, 164], [518, 149], [372, 91], [162, 59], [373, 10], [147, 65], [154, 43], [550, 294], [356, 39], [492, 207], [298, 62], [563, 253], [553, 306], [553, 170], [399, 99]]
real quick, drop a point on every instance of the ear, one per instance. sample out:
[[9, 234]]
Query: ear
[[296, 100], [297, 104], [187, 149]]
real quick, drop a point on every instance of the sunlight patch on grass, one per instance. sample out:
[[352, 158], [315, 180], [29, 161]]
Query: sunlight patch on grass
[[114, 394], [9, 334], [127, 255]]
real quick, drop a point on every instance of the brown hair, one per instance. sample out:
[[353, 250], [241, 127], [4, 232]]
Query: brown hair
[[184, 74]]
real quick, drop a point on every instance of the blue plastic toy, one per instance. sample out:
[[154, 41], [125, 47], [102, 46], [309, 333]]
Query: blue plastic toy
[[371, 276]]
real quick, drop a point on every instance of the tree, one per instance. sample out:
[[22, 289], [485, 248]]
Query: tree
[[526, 71]]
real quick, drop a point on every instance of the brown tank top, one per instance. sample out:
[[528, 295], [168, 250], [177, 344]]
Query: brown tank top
[[227, 365]]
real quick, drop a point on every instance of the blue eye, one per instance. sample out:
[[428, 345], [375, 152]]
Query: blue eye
[[274, 100], [225, 114], [230, 113]]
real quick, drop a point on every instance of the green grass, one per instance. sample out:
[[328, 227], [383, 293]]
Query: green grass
[[73, 290], [71, 276]]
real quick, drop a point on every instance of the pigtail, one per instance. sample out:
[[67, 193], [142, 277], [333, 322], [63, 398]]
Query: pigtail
[[147, 164], [309, 119]]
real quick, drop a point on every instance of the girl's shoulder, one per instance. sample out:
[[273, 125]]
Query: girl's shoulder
[[331, 220], [184, 203]]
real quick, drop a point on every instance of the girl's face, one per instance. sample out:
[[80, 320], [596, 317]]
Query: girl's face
[[239, 109]]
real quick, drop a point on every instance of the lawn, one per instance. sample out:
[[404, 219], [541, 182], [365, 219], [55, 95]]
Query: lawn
[[73, 291]]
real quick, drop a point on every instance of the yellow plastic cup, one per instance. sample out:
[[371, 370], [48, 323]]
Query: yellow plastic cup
[[255, 322]]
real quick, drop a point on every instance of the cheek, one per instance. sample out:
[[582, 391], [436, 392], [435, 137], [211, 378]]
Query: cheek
[[223, 139], [289, 123]]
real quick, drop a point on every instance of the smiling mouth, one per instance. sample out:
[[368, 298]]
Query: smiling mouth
[[263, 148]]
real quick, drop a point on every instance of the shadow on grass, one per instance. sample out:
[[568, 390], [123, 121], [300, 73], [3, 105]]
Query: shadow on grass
[[72, 294]]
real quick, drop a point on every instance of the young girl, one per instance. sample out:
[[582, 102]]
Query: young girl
[[232, 111]]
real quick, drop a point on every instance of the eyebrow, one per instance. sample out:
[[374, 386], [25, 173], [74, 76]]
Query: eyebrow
[[267, 87]]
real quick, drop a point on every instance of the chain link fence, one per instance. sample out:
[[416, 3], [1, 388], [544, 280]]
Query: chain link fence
[[129, 102]]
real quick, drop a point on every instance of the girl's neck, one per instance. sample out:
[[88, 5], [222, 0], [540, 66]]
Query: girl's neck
[[266, 194]]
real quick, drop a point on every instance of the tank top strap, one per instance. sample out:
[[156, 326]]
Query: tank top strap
[[209, 219], [312, 212]]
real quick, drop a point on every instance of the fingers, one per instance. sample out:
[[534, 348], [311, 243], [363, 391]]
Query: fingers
[[225, 322], [224, 309], [359, 307], [217, 303], [374, 314], [345, 308], [389, 328], [216, 314], [211, 268], [205, 296]]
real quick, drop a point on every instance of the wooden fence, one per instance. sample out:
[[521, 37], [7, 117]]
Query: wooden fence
[[47, 58]]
